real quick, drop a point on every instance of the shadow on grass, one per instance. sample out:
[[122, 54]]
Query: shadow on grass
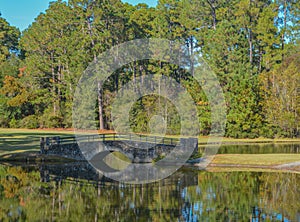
[[24, 141]]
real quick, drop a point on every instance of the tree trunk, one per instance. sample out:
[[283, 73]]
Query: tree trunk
[[260, 60], [284, 29], [59, 74], [250, 47], [134, 76], [99, 84], [53, 84], [190, 45], [213, 13], [100, 105]]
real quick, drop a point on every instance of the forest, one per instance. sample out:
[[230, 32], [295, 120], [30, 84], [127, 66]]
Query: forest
[[251, 45]]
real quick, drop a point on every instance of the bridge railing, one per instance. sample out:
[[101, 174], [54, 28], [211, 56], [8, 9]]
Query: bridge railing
[[48, 141], [147, 139]]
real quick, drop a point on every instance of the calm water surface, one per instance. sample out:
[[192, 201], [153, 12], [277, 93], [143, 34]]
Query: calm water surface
[[69, 192]]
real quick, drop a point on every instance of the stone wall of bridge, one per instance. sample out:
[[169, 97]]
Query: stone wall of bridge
[[134, 150]]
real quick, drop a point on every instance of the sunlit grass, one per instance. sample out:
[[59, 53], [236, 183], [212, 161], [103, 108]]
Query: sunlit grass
[[20, 140], [121, 156], [261, 140], [117, 160], [32, 131], [255, 159], [247, 169]]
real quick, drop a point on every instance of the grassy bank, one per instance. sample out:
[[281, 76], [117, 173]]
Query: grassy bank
[[255, 159], [256, 162], [20, 140], [250, 169]]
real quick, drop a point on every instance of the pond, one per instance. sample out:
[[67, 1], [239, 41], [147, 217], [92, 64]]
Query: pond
[[73, 192]]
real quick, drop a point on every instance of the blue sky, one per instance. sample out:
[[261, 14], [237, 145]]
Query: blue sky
[[21, 13]]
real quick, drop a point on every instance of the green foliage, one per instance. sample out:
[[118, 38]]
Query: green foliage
[[50, 121], [13, 123], [147, 109], [280, 88], [250, 45], [30, 122], [9, 36]]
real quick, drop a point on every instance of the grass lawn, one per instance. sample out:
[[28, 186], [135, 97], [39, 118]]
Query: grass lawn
[[256, 163], [20, 140], [248, 169], [255, 159], [262, 140]]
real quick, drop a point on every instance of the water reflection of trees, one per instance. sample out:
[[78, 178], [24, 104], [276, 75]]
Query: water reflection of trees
[[215, 196], [243, 196]]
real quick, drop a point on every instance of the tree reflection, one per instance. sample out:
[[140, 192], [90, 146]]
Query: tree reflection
[[186, 196]]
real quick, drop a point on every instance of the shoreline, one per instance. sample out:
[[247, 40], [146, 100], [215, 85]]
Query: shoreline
[[34, 157], [22, 145]]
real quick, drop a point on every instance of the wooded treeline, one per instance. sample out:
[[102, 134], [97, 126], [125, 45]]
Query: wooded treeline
[[252, 46]]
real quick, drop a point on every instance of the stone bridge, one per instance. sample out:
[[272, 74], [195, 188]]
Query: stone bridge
[[138, 148]]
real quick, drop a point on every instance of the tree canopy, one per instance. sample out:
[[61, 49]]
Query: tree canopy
[[252, 46]]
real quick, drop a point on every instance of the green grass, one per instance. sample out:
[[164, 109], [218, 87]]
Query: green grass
[[261, 140], [247, 169], [117, 160], [255, 163], [255, 159], [19, 140], [121, 156]]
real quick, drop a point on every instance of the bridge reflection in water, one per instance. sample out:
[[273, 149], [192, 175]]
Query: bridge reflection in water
[[83, 172]]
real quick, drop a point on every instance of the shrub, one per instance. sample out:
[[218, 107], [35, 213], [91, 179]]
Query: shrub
[[30, 122], [51, 121], [13, 123]]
